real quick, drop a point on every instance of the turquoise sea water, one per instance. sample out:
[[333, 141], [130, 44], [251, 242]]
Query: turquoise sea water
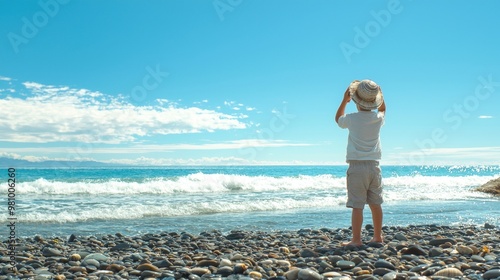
[[138, 200]]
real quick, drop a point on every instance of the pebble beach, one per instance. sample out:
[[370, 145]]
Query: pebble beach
[[411, 252]]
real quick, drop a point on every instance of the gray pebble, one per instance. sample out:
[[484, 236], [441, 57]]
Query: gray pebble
[[309, 274], [345, 264], [491, 274], [401, 237], [384, 264], [477, 258]]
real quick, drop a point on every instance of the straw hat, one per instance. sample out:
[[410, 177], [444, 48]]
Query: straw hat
[[366, 94]]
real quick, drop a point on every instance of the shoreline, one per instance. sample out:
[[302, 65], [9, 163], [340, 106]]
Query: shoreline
[[418, 252]]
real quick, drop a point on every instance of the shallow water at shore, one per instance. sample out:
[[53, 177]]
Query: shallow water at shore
[[194, 199]]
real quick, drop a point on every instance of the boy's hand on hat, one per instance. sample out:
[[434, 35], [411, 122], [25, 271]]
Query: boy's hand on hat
[[347, 95]]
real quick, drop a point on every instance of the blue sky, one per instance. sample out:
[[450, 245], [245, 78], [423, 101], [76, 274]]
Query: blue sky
[[245, 82]]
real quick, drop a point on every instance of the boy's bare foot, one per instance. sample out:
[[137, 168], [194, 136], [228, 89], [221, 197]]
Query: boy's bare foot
[[376, 240], [352, 243]]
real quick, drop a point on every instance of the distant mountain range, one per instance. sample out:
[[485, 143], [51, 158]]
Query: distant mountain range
[[19, 163]]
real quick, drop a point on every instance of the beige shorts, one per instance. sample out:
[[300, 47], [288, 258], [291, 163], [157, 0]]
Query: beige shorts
[[364, 183]]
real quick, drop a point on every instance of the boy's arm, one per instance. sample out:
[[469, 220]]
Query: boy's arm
[[381, 108], [343, 104]]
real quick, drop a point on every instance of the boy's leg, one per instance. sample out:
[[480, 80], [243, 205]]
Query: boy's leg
[[357, 222], [377, 216]]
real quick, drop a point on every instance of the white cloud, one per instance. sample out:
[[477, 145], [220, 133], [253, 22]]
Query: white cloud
[[485, 117], [63, 114], [2, 78]]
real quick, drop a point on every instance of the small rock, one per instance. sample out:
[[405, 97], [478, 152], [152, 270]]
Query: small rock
[[307, 253], [331, 274], [200, 271], [464, 250], [414, 250], [72, 238], [236, 257], [381, 271], [477, 258], [390, 276], [419, 268], [283, 263], [51, 252], [239, 268], [162, 264], [149, 273], [90, 262], [75, 257], [492, 274], [208, 263], [255, 275], [147, 266], [449, 272], [285, 250], [235, 236], [96, 256], [401, 237], [345, 264], [384, 264], [120, 247], [375, 244], [225, 271], [489, 226], [308, 274], [292, 274], [439, 241], [225, 262], [190, 277], [435, 251]]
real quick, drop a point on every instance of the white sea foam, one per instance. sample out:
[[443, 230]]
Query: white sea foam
[[44, 201], [194, 183], [223, 183], [158, 209]]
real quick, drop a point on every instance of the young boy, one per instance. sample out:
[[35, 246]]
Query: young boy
[[364, 180]]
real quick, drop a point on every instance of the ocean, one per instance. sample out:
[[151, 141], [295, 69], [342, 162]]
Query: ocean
[[138, 200]]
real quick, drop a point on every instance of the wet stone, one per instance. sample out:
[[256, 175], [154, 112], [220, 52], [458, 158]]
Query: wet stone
[[414, 250], [477, 258], [419, 268], [381, 271], [307, 253], [439, 241], [96, 256], [51, 252], [400, 236], [449, 272], [492, 274], [120, 247], [149, 273], [308, 274], [435, 251], [384, 264], [375, 245], [91, 262], [345, 264]]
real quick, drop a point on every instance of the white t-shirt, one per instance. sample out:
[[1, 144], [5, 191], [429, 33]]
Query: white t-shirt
[[364, 134]]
